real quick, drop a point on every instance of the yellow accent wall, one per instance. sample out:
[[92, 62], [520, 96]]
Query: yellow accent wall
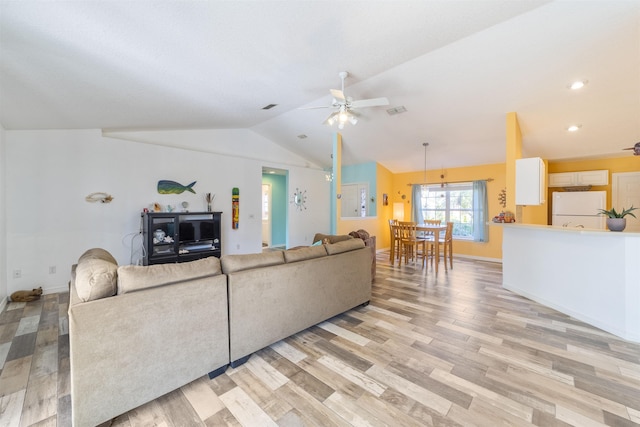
[[513, 152], [513, 149], [491, 249]]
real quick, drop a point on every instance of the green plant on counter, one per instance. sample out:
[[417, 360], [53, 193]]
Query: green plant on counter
[[613, 214]]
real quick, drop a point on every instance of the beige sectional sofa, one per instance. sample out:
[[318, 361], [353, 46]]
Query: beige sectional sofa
[[275, 294], [137, 332], [166, 326]]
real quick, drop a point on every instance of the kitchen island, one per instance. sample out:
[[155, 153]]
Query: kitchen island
[[591, 275]]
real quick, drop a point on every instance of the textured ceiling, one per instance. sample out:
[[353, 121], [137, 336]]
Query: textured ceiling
[[457, 66]]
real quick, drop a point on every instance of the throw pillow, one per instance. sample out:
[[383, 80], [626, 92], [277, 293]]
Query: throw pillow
[[95, 278]]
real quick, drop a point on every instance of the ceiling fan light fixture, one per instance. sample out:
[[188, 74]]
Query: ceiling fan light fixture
[[344, 105]]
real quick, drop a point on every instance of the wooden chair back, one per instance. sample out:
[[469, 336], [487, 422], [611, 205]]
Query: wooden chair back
[[430, 234], [448, 233], [407, 230]]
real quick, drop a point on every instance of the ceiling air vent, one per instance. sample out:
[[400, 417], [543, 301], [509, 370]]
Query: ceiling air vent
[[302, 136], [268, 107], [396, 110]]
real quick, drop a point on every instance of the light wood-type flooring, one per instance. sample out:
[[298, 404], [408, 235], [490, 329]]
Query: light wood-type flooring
[[456, 350]]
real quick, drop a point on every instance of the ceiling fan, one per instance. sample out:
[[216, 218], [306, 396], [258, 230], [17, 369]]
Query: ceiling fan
[[635, 148], [345, 105]]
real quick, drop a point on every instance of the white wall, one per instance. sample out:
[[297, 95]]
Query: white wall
[[3, 231], [49, 174]]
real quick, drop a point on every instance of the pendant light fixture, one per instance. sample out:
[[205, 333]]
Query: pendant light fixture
[[424, 176]]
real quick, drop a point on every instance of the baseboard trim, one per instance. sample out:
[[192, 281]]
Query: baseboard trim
[[477, 258], [56, 290]]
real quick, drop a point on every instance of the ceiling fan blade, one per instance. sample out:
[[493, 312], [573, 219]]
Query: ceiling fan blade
[[373, 102], [337, 94], [316, 107]]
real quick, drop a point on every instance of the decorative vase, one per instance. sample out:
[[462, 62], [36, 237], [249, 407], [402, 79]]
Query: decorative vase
[[208, 207], [616, 224]]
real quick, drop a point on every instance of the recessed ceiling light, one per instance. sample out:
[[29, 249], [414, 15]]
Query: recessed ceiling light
[[574, 128], [578, 84]]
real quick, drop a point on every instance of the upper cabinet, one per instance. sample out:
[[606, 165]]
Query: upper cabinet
[[530, 175], [577, 179]]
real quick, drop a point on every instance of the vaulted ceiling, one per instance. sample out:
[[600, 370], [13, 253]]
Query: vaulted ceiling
[[456, 66]]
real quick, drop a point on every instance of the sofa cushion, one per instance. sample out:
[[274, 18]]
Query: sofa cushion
[[344, 246], [233, 263], [331, 238], [306, 252], [95, 275], [133, 278], [97, 253]]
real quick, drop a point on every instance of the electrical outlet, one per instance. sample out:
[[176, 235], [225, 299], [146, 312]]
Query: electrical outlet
[[17, 274], [238, 246], [52, 269]]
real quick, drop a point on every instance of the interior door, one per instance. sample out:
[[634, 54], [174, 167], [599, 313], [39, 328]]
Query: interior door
[[626, 193]]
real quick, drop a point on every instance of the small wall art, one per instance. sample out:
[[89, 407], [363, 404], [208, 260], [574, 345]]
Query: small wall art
[[299, 199]]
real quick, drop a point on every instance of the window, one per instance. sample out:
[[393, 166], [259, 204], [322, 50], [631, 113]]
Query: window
[[452, 202]]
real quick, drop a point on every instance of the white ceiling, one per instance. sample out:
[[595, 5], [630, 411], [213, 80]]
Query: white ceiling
[[457, 66]]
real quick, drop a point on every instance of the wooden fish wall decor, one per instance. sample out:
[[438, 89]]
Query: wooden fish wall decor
[[172, 187]]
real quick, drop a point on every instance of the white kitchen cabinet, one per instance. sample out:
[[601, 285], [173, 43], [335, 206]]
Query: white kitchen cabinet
[[530, 176], [576, 179]]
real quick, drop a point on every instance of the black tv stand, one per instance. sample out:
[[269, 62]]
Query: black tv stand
[[171, 237]]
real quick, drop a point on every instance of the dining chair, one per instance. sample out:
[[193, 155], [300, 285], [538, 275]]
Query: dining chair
[[446, 243], [410, 243], [429, 234]]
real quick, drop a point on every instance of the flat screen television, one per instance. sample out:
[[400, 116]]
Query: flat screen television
[[197, 228]]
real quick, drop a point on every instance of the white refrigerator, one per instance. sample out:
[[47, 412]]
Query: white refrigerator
[[578, 209]]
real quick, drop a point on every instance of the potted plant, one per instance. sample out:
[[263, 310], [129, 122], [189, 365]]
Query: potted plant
[[616, 221]]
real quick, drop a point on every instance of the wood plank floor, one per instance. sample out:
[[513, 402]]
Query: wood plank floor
[[456, 350]]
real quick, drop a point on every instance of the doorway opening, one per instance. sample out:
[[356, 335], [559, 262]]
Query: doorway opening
[[274, 208]]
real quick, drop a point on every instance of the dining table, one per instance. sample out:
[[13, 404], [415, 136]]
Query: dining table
[[435, 230]]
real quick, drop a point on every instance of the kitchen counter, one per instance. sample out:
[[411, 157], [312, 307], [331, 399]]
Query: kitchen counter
[[592, 275]]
